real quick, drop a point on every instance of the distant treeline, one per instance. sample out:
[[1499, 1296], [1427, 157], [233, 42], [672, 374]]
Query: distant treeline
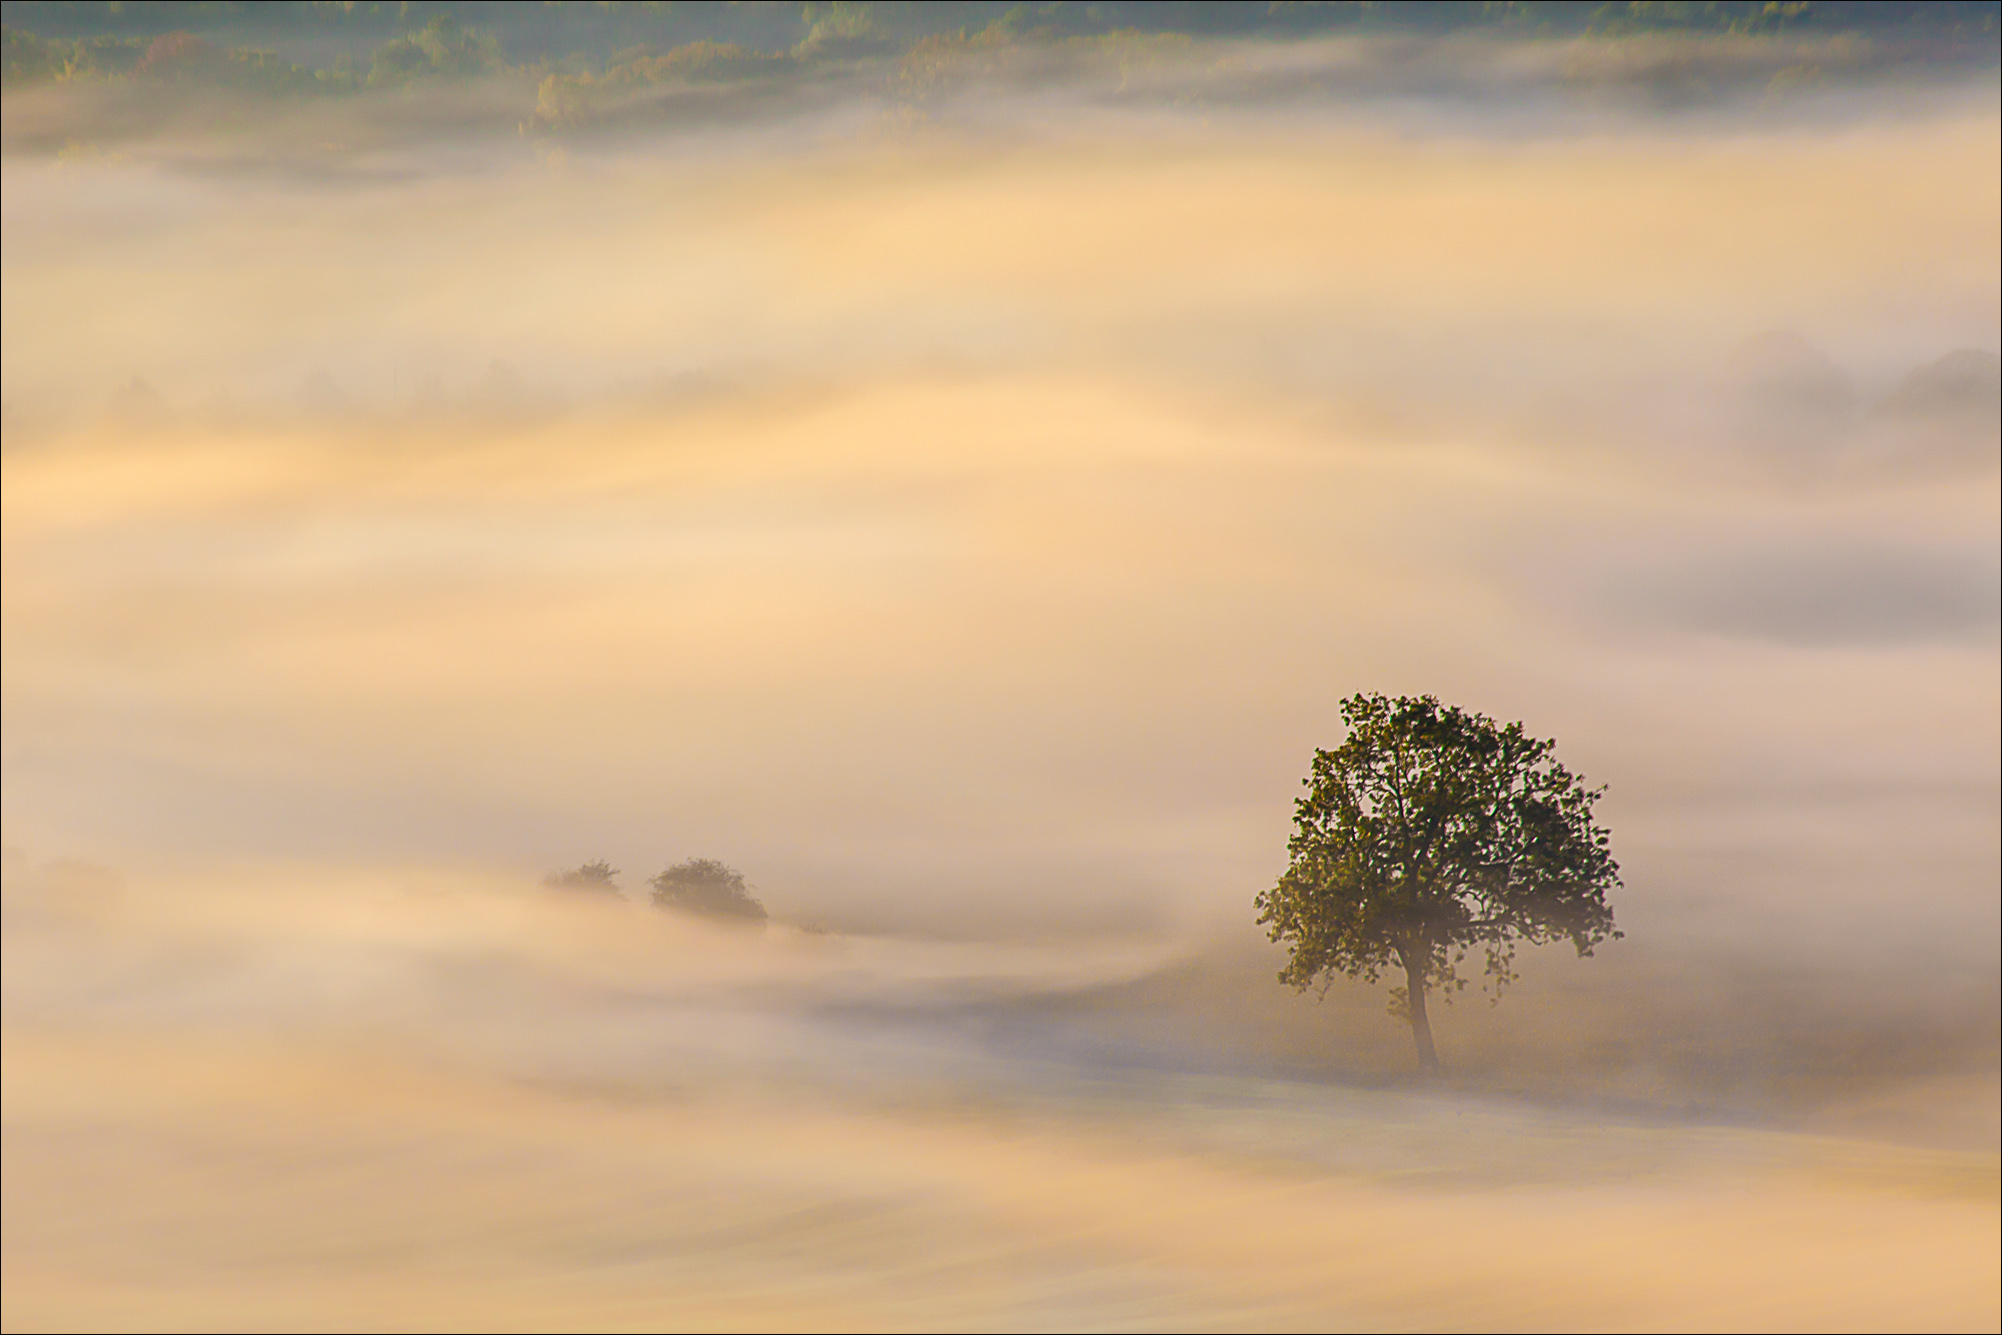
[[531, 33], [322, 46], [578, 65]]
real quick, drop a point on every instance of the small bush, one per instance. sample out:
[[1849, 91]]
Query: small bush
[[708, 889]]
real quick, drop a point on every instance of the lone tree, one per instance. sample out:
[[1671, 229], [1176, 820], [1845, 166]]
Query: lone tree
[[1428, 832], [708, 889], [600, 876]]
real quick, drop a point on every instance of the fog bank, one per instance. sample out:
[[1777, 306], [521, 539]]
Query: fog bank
[[966, 523]]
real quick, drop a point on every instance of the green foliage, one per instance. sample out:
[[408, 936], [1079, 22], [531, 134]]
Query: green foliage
[[598, 877], [26, 58], [441, 48], [707, 889], [182, 60], [1431, 831], [842, 29], [577, 98], [641, 66], [172, 60]]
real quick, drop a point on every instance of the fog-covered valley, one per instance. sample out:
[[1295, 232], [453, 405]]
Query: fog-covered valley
[[964, 513]]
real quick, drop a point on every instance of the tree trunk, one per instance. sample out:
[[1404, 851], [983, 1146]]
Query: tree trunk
[[1421, 1028]]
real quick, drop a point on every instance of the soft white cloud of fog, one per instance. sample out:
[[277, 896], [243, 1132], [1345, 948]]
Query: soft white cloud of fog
[[1049, 497], [423, 1099]]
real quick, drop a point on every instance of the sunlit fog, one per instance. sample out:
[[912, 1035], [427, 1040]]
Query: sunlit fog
[[945, 467]]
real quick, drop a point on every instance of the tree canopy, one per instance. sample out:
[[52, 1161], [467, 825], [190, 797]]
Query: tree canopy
[[1430, 831], [599, 876], [708, 889]]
